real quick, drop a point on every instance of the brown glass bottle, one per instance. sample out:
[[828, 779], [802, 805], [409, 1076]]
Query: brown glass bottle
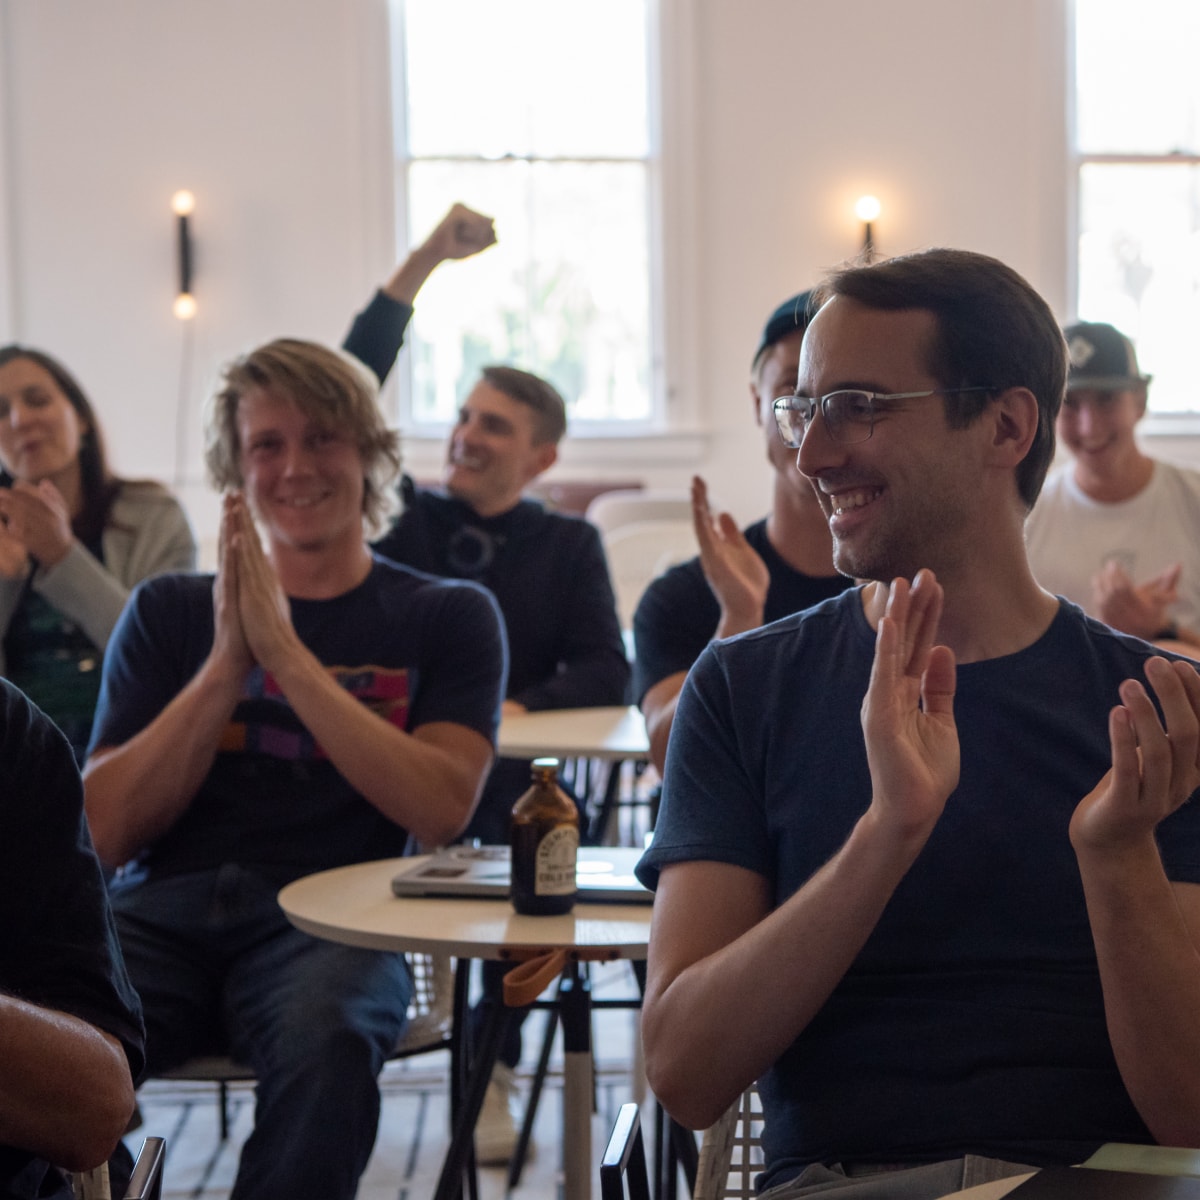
[[544, 836]]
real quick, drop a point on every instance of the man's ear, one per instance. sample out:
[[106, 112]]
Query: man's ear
[[1014, 416], [544, 457], [756, 400]]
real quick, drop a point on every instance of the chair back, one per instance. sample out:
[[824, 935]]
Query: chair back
[[641, 552], [623, 1174], [731, 1152], [431, 1009], [612, 510]]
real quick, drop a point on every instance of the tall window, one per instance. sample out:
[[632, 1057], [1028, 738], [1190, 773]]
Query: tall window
[[538, 113], [1138, 143]]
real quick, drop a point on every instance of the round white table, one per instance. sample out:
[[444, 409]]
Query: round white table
[[615, 733], [355, 905]]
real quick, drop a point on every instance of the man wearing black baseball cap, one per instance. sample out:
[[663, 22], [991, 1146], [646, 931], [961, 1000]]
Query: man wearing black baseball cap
[[741, 579], [1116, 530]]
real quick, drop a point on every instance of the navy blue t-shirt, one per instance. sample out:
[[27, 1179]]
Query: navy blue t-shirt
[[412, 648], [972, 1021]]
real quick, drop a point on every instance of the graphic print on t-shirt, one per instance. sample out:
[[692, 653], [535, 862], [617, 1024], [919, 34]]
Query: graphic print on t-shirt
[[264, 721]]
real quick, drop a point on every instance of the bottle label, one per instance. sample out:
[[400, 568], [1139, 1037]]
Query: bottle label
[[556, 862]]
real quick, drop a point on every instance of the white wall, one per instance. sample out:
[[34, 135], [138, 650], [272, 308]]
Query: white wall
[[950, 112], [274, 113], [258, 107]]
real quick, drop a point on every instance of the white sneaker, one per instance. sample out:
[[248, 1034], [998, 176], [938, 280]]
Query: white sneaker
[[497, 1131]]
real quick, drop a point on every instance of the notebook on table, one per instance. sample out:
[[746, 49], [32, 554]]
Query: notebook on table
[[603, 874]]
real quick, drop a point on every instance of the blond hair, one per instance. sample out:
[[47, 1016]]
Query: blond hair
[[328, 387]]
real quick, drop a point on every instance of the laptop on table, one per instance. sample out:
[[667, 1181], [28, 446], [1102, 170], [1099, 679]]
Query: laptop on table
[[603, 874]]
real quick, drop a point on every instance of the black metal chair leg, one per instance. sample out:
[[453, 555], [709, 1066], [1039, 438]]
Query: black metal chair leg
[[517, 1162]]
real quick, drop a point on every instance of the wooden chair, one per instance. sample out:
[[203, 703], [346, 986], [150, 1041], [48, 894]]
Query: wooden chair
[[731, 1153], [145, 1183], [430, 1027]]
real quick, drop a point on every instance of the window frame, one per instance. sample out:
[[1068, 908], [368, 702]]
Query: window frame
[[673, 432], [1155, 423]]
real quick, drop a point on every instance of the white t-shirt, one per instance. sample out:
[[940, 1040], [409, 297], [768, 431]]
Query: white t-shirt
[[1070, 536]]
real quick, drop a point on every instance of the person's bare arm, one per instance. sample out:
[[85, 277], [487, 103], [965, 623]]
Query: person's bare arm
[[1146, 929], [738, 578], [737, 575], [658, 709], [65, 1090], [461, 233], [136, 791], [427, 781], [731, 984]]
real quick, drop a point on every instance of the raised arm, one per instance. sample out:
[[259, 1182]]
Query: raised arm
[[461, 233], [731, 983], [739, 580], [427, 781], [377, 333], [1147, 929]]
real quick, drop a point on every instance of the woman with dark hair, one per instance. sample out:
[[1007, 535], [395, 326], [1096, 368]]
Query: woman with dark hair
[[74, 539]]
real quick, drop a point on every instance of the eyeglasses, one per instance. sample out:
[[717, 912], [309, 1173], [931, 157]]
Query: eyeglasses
[[849, 414]]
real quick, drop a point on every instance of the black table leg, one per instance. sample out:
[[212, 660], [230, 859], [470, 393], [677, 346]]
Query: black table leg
[[474, 1078]]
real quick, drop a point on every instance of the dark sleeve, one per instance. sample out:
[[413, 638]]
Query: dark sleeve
[[60, 948], [674, 620], [464, 675], [155, 648], [711, 809], [408, 540], [377, 333], [593, 669]]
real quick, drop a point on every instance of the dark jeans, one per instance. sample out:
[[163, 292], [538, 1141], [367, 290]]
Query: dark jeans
[[220, 968]]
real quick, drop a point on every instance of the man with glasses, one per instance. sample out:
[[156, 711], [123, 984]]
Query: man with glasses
[[925, 865], [1114, 515], [741, 579]]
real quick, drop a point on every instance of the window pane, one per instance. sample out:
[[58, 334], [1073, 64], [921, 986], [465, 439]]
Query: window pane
[[1139, 268], [1136, 76], [526, 77], [565, 293]]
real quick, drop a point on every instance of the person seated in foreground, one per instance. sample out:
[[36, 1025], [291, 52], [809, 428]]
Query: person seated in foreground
[[311, 705], [547, 571], [70, 1023], [1115, 530], [926, 863], [741, 579]]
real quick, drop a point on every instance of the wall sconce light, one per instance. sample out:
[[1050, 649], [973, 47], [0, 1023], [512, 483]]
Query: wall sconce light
[[183, 203], [867, 210]]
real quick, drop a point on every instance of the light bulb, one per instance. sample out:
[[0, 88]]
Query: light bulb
[[867, 208], [183, 203], [185, 306]]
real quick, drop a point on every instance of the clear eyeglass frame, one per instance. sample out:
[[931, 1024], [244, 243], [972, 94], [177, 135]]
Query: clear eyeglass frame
[[849, 413]]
